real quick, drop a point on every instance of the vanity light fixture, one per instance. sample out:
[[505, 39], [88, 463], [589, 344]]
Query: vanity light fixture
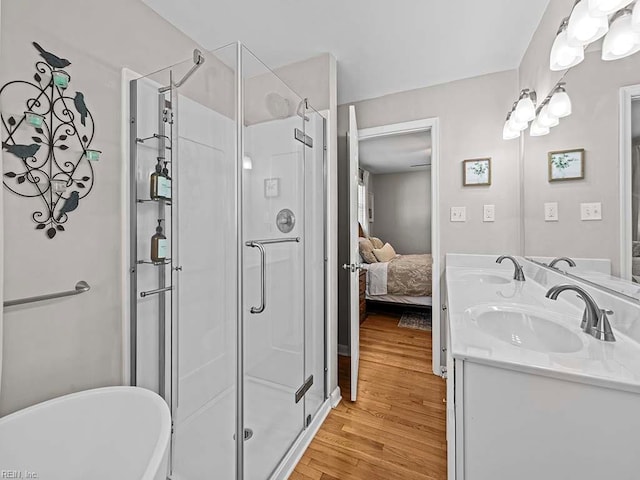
[[525, 110], [545, 118], [583, 27], [635, 17], [602, 8], [560, 103], [509, 133], [622, 40], [563, 55], [538, 130]]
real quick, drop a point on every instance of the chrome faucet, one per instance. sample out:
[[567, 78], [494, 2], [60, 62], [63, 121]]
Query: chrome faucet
[[595, 321], [555, 261], [518, 274]]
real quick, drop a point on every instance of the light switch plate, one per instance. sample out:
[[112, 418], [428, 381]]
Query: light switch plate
[[591, 211], [551, 212], [458, 214], [489, 213]]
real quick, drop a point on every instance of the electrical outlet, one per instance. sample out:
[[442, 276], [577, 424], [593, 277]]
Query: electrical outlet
[[458, 214], [591, 211], [489, 213], [551, 212]]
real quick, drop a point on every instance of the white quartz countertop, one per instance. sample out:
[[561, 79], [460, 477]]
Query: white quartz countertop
[[608, 364]]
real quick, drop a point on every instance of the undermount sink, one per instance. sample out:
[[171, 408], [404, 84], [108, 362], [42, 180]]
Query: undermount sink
[[524, 329], [485, 278], [101, 434]]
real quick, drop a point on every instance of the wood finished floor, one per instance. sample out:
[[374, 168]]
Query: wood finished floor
[[396, 430]]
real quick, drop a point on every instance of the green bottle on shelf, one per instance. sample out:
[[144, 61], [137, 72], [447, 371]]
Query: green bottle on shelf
[[159, 245]]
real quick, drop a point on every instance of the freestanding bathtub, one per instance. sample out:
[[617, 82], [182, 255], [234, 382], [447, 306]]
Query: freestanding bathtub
[[103, 434]]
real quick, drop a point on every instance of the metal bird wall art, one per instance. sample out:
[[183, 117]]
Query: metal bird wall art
[[47, 132]]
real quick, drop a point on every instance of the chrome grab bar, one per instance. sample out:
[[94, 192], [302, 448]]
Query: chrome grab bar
[[153, 292], [259, 244], [80, 287]]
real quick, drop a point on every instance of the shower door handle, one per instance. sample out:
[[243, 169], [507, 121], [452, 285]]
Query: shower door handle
[[263, 267]]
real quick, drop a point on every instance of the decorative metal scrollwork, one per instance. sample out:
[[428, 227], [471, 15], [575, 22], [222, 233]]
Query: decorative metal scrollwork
[[49, 143]]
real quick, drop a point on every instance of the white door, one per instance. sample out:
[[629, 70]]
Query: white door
[[354, 256]]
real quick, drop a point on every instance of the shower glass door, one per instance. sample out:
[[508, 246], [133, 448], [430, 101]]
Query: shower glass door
[[273, 234]]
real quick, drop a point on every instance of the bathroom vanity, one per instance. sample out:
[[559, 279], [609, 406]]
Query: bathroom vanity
[[529, 394]]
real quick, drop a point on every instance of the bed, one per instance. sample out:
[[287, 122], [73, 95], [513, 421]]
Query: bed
[[403, 279]]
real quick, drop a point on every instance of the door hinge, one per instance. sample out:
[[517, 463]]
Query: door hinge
[[304, 388], [302, 137]]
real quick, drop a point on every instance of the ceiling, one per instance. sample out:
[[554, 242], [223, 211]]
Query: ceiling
[[381, 46], [396, 153]]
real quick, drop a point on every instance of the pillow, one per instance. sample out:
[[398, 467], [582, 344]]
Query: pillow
[[377, 243], [366, 250], [384, 254]]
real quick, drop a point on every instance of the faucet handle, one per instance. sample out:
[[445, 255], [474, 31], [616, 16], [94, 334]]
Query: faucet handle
[[603, 330]]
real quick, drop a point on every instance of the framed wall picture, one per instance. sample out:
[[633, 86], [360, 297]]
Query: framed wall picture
[[271, 187], [370, 208], [476, 172], [566, 165]]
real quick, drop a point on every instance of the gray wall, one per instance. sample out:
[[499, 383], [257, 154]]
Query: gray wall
[[68, 345], [471, 113], [402, 210], [594, 90]]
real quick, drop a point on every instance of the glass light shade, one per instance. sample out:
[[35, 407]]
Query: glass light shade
[[525, 110], [538, 130], [560, 104], [584, 28], [515, 125], [602, 8], [622, 40], [247, 163], [635, 18], [508, 133], [563, 55], [545, 119]]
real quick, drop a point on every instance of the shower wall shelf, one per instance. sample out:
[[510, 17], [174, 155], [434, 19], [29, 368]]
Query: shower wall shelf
[[146, 148]]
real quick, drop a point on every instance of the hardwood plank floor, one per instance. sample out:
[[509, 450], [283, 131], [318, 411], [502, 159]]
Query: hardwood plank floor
[[397, 428]]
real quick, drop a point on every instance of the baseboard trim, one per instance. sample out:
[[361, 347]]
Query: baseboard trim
[[288, 464], [335, 398], [344, 350]]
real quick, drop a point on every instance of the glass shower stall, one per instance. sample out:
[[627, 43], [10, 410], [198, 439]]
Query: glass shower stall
[[227, 261]]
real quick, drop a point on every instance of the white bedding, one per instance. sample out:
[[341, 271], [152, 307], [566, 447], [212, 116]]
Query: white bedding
[[377, 278]]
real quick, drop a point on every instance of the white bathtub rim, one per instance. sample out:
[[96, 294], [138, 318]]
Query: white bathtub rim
[[164, 434]]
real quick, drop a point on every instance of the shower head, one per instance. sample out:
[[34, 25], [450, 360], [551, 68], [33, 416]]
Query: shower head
[[198, 60]]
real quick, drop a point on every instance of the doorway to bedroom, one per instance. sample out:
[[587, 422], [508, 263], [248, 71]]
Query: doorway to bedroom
[[393, 243]]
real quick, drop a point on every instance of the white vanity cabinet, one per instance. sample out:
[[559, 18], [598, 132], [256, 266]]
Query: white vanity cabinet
[[529, 395], [507, 424]]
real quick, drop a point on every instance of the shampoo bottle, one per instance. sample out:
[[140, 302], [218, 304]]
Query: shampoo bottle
[[154, 182], [165, 184], [159, 245]]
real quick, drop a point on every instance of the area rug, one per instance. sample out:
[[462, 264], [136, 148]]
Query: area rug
[[417, 321]]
